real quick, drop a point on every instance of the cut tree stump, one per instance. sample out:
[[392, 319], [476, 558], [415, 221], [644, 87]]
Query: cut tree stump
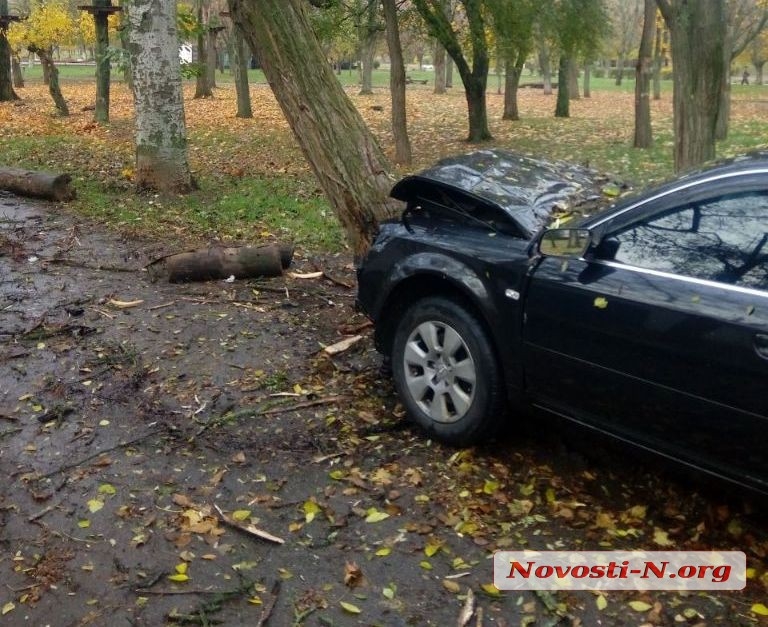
[[217, 262], [46, 185]]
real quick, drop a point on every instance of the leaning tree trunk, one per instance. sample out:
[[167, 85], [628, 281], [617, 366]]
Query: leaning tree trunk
[[350, 166], [696, 30], [240, 70], [161, 134], [397, 85], [643, 72], [562, 106], [49, 68]]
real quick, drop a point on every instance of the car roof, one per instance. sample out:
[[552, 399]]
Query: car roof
[[525, 188]]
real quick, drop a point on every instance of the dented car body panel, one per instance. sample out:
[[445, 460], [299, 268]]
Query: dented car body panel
[[656, 336]]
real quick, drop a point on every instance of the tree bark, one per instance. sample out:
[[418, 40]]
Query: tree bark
[[562, 106], [161, 133], [348, 162], [49, 68], [46, 185], [439, 59], [697, 32], [587, 80], [545, 65], [514, 68], [643, 72], [210, 264], [101, 112], [657, 61], [397, 85], [573, 79], [368, 35], [202, 86], [18, 75], [240, 70], [211, 58], [7, 93]]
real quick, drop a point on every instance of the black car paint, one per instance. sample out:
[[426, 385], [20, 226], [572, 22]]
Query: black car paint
[[667, 363]]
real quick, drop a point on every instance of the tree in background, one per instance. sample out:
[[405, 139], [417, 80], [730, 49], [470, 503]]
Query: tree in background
[[161, 134], [95, 30], [626, 18], [474, 77], [6, 86], [745, 20], [512, 23], [239, 63], [345, 157], [49, 24], [577, 29], [758, 55], [697, 31], [397, 84], [369, 28], [643, 73]]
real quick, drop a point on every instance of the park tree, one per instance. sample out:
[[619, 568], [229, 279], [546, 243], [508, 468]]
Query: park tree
[[240, 56], [745, 20], [6, 85], [578, 28], [697, 32], [348, 162], [626, 17], [369, 29], [758, 55], [397, 84], [49, 24], [643, 75], [161, 136], [513, 23], [474, 76], [95, 30]]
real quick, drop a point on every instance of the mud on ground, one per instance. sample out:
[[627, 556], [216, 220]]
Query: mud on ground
[[188, 454]]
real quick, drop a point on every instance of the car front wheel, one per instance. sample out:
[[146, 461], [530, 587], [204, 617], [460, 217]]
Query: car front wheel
[[445, 371]]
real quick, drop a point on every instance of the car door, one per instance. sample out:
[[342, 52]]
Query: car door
[[662, 339]]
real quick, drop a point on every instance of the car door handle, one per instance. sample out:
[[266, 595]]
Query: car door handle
[[761, 345]]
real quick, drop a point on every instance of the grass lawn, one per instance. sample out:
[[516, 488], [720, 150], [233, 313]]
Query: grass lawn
[[254, 182]]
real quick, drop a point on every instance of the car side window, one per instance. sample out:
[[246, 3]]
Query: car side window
[[723, 239]]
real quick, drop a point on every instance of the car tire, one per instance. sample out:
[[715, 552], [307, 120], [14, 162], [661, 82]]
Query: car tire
[[446, 373]]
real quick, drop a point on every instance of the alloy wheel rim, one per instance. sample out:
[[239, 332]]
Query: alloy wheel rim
[[440, 372]]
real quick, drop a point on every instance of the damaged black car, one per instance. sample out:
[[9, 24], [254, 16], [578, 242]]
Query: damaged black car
[[510, 281]]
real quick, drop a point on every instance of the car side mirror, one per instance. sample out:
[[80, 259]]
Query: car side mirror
[[564, 243]]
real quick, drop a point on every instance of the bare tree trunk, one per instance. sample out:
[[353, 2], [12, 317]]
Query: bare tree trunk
[[211, 57], [240, 70], [349, 165], [101, 112], [18, 75], [587, 80], [643, 72], [439, 55], [397, 85], [161, 132], [369, 34], [562, 106], [724, 111], [6, 87], [448, 72], [657, 61], [697, 32], [620, 70], [573, 79], [49, 67], [546, 68], [202, 86], [514, 70]]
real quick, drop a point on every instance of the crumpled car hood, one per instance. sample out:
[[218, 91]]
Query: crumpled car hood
[[530, 191]]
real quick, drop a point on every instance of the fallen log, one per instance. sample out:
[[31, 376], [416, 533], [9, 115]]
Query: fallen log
[[46, 185], [217, 262]]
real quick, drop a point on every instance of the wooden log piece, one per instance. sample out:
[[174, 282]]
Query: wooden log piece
[[46, 185], [210, 264]]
